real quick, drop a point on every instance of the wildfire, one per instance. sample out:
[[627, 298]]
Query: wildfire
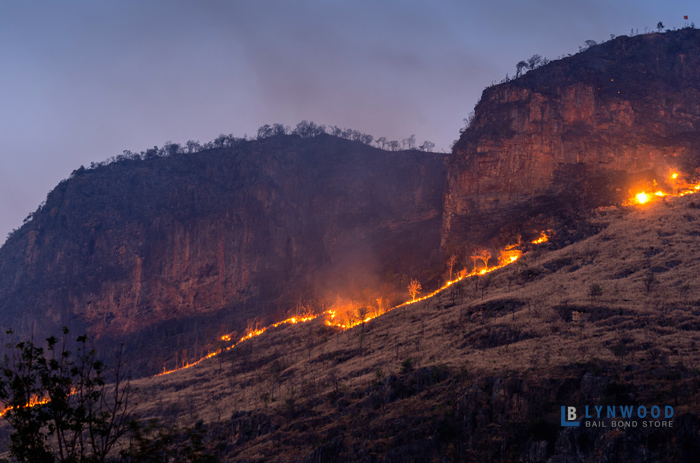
[[542, 239], [348, 314], [680, 188], [642, 197], [251, 332], [33, 402]]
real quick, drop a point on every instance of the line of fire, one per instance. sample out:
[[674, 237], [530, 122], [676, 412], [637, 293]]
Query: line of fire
[[349, 314]]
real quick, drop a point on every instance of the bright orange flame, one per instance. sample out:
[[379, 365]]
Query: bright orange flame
[[33, 402], [642, 197], [680, 188], [542, 239], [346, 315]]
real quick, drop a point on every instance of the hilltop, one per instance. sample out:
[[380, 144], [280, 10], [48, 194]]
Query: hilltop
[[169, 252]]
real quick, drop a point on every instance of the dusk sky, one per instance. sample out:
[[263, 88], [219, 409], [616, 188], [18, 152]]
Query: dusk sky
[[83, 81]]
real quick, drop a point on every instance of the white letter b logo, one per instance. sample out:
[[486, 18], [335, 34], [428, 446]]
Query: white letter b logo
[[570, 413]]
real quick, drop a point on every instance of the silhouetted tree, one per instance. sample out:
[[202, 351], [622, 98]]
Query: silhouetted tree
[[48, 394], [660, 26], [590, 43], [279, 129], [264, 131], [193, 146], [410, 142], [519, 68], [306, 129], [534, 61], [427, 146]]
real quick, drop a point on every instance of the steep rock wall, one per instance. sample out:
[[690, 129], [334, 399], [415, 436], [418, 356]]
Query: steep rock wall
[[626, 111], [195, 244]]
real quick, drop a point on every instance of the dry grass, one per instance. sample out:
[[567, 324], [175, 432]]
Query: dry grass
[[536, 315]]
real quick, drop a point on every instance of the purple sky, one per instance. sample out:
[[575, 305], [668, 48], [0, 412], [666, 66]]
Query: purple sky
[[82, 81]]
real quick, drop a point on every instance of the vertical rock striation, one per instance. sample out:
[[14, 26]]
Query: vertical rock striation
[[622, 111]]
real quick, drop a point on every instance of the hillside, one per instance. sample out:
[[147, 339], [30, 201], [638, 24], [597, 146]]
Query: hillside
[[577, 132], [167, 253], [479, 371]]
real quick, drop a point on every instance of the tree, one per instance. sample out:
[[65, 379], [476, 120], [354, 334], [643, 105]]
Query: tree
[[660, 26], [519, 68], [410, 142], [414, 288], [264, 131], [590, 43], [279, 129], [595, 291], [306, 129], [380, 141], [450, 264], [482, 255], [394, 145], [193, 146], [427, 146], [50, 395], [534, 61]]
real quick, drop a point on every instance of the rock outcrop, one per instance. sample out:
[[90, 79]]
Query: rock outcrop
[[168, 252], [594, 125]]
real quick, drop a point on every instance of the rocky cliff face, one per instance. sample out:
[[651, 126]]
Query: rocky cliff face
[[189, 245], [592, 125]]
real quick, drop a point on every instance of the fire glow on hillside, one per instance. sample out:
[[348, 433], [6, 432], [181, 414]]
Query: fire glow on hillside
[[33, 402], [680, 187], [348, 314]]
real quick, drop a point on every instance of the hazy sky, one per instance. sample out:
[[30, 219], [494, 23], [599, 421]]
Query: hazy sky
[[82, 81]]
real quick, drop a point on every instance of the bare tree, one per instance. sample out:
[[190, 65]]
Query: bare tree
[[534, 61], [414, 288], [450, 265], [410, 142], [427, 146]]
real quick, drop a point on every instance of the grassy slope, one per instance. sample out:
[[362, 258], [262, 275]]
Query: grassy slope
[[536, 321]]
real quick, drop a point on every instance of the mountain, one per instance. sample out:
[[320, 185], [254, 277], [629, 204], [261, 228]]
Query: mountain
[[480, 371], [596, 155], [579, 131], [163, 254]]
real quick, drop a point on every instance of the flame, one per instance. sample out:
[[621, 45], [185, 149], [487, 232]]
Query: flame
[[33, 402], [642, 197], [348, 314], [680, 188], [542, 239]]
